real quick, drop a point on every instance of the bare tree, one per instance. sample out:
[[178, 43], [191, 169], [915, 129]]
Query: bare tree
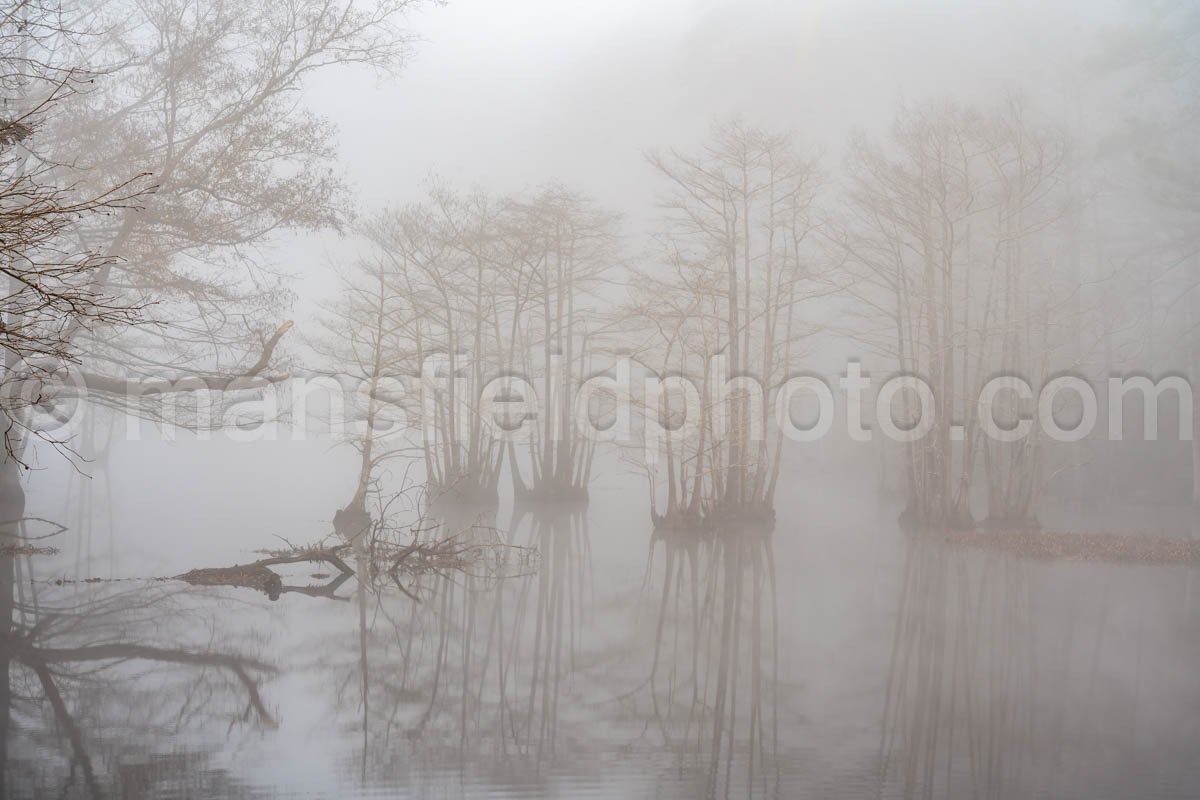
[[204, 97], [366, 341], [49, 279], [943, 242], [496, 287], [1035, 299], [64, 661], [738, 218], [462, 305], [567, 245]]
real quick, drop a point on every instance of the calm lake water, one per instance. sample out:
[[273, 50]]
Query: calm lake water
[[836, 657]]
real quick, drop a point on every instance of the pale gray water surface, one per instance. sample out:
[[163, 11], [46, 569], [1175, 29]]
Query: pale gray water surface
[[836, 657]]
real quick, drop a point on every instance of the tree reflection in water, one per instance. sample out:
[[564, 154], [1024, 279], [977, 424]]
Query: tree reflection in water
[[1012, 677], [511, 676], [470, 664], [715, 672], [89, 674], [1004, 676]]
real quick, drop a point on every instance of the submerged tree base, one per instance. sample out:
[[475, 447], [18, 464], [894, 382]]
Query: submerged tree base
[[913, 520], [463, 492], [552, 493], [749, 519], [1014, 522], [574, 498], [677, 521]]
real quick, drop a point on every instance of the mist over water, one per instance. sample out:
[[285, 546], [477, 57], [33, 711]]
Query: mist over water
[[676, 400], [859, 661]]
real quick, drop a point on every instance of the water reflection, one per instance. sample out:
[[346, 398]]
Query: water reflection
[[513, 677], [956, 718], [678, 670], [88, 677], [1012, 677], [470, 665], [715, 673]]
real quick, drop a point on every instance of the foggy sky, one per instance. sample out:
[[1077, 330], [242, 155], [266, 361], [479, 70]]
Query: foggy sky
[[508, 96]]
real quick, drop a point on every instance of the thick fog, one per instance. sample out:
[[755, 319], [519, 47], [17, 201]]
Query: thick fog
[[568, 399]]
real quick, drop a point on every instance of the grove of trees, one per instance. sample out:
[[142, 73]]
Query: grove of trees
[[151, 154]]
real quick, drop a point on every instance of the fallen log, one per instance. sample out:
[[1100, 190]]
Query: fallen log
[[453, 554], [260, 577], [245, 576]]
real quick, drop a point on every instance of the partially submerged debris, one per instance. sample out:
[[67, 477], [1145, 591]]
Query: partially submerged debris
[[260, 577], [1066, 546], [450, 554], [488, 560], [250, 576], [16, 536], [454, 553], [26, 550], [317, 554]]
